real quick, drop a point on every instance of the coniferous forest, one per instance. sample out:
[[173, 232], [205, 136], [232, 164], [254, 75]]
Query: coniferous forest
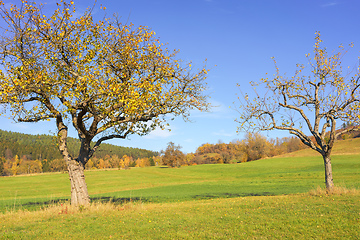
[[24, 153]]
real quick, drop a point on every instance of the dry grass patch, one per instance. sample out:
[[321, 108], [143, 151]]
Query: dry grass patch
[[337, 190], [55, 210]]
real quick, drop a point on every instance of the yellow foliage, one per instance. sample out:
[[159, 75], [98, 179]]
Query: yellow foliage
[[117, 76], [125, 162], [142, 162]]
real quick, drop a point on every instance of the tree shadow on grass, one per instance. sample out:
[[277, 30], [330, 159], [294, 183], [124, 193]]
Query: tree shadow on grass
[[119, 201], [44, 203], [230, 195], [113, 200]]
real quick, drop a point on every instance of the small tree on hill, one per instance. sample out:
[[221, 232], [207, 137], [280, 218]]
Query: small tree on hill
[[255, 146], [106, 79], [173, 156], [314, 102]]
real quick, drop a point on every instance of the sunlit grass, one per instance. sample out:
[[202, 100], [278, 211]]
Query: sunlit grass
[[276, 176], [278, 198], [299, 216], [343, 147]]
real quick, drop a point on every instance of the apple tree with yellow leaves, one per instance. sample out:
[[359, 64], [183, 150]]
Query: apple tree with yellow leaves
[[106, 79], [308, 104]]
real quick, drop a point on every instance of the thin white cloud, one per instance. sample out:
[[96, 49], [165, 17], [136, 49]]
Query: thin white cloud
[[330, 4], [158, 133]]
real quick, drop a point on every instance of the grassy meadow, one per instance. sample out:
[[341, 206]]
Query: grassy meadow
[[269, 198]]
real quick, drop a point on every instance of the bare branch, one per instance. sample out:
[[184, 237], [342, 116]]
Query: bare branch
[[36, 118]]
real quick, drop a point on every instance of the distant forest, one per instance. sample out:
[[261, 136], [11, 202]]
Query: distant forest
[[25, 154], [40, 147]]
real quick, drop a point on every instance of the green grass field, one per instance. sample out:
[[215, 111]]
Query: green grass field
[[262, 199], [300, 216]]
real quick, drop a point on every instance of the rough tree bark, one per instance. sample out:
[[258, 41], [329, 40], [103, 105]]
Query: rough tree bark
[[328, 173], [79, 192]]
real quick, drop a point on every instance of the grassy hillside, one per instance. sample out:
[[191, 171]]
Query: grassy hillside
[[265, 199], [276, 176], [342, 147]]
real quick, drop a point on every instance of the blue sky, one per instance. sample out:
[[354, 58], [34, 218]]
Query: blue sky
[[238, 39]]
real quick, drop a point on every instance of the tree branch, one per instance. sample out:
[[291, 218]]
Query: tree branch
[[36, 118], [112, 136]]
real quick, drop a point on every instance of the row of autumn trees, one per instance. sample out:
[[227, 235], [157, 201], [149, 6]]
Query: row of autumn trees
[[253, 147], [17, 166]]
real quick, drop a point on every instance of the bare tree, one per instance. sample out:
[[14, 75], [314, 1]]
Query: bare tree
[[308, 106]]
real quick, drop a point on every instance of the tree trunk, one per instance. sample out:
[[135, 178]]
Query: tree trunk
[[328, 173], [79, 192]]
